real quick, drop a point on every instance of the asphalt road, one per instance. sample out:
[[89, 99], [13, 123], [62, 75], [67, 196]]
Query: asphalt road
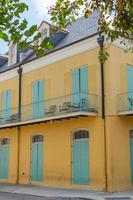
[[9, 196]]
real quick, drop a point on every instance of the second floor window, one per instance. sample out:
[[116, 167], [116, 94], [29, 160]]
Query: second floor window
[[130, 86], [6, 105], [80, 80], [79, 86], [38, 88]]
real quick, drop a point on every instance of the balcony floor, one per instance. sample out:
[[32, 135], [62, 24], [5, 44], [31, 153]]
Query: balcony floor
[[50, 119], [126, 112]]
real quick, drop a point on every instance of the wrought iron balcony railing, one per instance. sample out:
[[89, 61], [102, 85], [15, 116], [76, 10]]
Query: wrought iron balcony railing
[[125, 102], [79, 102]]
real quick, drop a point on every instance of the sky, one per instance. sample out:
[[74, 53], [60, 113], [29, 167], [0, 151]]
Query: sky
[[38, 11]]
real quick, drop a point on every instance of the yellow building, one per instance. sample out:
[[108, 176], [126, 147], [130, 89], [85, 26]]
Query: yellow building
[[58, 125]]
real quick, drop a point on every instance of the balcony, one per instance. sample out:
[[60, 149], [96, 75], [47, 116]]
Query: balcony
[[60, 108], [125, 103]]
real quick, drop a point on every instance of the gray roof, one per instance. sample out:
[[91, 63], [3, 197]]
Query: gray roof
[[80, 29]]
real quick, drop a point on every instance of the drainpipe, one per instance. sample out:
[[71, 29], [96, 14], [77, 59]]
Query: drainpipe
[[20, 84], [19, 111], [18, 155], [100, 41], [20, 92], [19, 117]]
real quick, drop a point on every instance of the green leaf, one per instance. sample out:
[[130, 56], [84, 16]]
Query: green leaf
[[31, 31], [4, 36]]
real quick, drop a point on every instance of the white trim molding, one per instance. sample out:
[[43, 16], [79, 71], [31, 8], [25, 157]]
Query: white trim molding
[[58, 55], [52, 118], [66, 52], [7, 75], [75, 49]]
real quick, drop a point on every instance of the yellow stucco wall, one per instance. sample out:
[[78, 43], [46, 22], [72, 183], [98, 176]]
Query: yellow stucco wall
[[57, 135], [117, 127], [11, 84], [57, 76], [58, 150], [116, 77], [118, 153], [12, 135]]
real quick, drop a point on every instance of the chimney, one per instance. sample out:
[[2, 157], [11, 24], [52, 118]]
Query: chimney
[[13, 54]]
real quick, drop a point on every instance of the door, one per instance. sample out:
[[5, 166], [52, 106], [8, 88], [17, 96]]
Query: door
[[131, 153], [38, 99], [130, 87], [80, 158], [80, 87], [37, 154], [4, 158], [6, 105]]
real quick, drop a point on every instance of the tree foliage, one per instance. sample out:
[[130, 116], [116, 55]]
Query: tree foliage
[[14, 28], [115, 16], [115, 20]]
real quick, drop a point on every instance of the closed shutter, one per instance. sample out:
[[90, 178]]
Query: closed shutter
[[6, 105], [84, 88], [75, 87], [130, 86], [41, 98], [35, 99]]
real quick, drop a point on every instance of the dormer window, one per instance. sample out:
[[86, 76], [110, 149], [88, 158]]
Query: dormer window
[[44, 29]]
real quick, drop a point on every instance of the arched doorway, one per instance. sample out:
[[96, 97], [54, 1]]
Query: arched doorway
[[4, 158], [80, 157], [37, 158]]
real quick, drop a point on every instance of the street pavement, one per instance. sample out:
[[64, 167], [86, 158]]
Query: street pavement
[[10, 196], [27, 192]]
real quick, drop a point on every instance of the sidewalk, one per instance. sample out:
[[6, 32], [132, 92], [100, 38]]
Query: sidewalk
[[59, 192]]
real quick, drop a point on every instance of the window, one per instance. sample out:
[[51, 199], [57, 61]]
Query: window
[[37, 138], [80, 97], [5, 141], [38, 99], [81, 134], [6, 105], [80, 80], [131, 134]]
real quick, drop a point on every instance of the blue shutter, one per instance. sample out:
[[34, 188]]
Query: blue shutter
[[8, 101], [75, 87], [81, 162], [34, 162], [41, 98], [131, 159], [84, 88], [6, 105], [37, 162], [130, 86], [40, 165], [4, 161], [35, 110], [0, 162]]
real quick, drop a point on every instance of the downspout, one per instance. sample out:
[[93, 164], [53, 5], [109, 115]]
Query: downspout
[[19, 111], [20, 92], [18, 155], [100, 41]]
